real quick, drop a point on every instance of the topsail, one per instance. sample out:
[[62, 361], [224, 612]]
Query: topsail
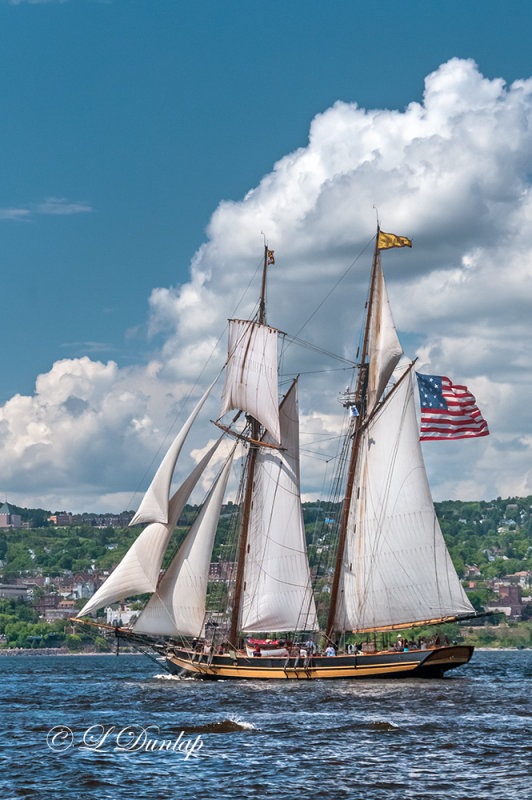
[[251, 374], [384, 346]]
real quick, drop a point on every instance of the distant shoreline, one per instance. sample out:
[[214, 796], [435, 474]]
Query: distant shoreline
[[50, 652]]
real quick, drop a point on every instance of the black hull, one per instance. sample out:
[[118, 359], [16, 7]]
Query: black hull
[[414, 663]]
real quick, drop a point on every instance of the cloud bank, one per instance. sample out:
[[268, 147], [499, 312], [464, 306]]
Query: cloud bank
[[453, 174]]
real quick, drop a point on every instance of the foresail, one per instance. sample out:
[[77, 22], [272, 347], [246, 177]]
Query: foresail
[[251, 374], [138, 571], [154, 505], [277, 592], [396, 568], [178, 605], [384, 346]]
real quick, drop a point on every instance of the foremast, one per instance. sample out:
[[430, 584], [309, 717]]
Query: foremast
[[250, 472]]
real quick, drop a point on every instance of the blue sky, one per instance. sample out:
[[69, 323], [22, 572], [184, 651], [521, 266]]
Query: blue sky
[[126, 124]]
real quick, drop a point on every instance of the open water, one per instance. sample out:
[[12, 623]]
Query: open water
[[467, 735]]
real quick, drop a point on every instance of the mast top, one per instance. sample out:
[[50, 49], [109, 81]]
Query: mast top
[[268, 259]]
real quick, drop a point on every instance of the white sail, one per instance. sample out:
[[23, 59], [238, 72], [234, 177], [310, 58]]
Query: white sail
[[397, 569], [277, 593], [154, 505], [178, 604], [251, 373], [385, 348], [138, 571]]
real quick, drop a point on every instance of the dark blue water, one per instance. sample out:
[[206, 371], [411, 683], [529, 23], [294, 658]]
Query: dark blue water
[[467, 735]]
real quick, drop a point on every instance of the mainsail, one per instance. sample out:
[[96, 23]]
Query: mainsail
[[396, 568], [277, 592]]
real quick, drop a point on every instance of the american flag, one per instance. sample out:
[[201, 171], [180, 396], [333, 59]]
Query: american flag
[[447, 411]]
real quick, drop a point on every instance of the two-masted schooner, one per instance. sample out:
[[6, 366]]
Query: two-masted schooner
[[392, 571]]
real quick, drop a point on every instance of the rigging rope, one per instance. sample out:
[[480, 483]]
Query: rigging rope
[[335, 286]]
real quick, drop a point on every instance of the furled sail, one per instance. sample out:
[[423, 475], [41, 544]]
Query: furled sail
[[384, 346], [251, 373], [396, 569], [178, 605], [138, 572], [277, 593], [154, 505]]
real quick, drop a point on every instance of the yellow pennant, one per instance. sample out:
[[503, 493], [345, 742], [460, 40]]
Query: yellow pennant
[[387, 240]]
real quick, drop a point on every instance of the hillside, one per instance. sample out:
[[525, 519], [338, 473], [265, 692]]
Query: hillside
[[494, 537], [486, 541]]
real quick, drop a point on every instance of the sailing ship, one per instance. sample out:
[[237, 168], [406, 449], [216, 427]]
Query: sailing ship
[[392, 570]]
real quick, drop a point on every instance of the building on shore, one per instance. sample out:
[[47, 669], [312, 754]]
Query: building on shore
[[12, 591], [8, 519], [510, 602], [61, 518]]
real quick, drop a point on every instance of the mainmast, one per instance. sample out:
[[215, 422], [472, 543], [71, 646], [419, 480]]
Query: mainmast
[[252, 459], [361, 405]]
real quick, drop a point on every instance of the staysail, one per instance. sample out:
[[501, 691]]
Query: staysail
[[138, 571], [154, 505], [251, 373], [178, 604], [277, 593]]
